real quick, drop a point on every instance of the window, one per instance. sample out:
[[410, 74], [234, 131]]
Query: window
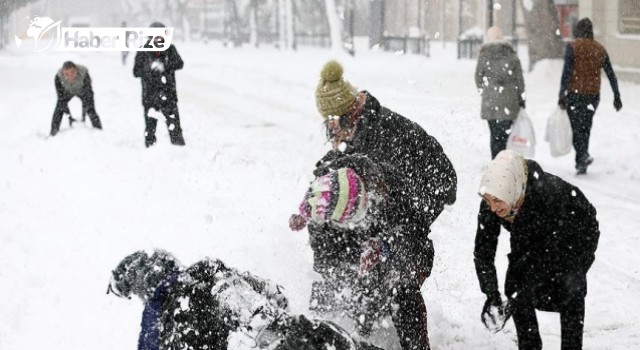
[[629, 16]]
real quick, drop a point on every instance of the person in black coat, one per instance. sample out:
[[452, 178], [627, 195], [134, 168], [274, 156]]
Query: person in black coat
[[212, 306], [419, 180], [554, 235], [157, 72], [73, 80]]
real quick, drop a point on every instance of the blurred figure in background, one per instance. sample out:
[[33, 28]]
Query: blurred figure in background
[[580, 87], [501, 84], [73, 80], [124, 53]]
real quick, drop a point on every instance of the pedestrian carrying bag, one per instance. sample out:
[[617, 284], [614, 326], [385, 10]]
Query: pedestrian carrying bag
[[559, 133], [522, 138]]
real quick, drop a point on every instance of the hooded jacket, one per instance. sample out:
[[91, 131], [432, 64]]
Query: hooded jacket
[[553, 239]]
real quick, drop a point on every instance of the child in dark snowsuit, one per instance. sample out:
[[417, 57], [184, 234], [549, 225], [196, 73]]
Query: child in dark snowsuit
[[212, 306]]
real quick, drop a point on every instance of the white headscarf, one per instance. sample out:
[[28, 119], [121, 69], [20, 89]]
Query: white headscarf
[[505, 177]]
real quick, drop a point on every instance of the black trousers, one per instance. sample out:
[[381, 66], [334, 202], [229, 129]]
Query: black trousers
[[571, 324], [581, 109], [411, 318], [172, 118], [499, 136], [88, 107]]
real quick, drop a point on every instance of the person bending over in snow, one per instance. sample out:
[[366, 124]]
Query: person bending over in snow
[[156, 70], [420, 181], [73, 80], [212, 306], [554, 235]]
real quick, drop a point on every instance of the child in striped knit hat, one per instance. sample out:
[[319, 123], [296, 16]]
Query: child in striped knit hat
[[338, 197]]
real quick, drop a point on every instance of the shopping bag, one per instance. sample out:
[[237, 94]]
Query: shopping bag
[[522, 138], [559, 133]]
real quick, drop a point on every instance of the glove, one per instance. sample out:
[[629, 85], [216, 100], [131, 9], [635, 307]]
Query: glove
[[157, 66], [562, 102], [323, 166], [493, 313], [297, 222], [373, 251], [617, 103], [522, 104]]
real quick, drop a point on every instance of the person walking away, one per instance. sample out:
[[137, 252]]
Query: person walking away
[[580, 88], [73, 80], [500, 82], [554, 234]]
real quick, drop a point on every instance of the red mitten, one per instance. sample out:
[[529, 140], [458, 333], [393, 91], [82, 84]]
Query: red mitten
[[297, 222], [371, 255]]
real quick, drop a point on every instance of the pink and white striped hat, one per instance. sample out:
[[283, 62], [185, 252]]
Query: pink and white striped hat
[[339, 197]]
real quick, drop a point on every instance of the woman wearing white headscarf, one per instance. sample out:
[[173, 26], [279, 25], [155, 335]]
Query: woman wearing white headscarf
[[553, 234]]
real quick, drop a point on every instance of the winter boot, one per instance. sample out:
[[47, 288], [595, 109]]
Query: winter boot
[[175, 132], [150, 131], [582, 168]]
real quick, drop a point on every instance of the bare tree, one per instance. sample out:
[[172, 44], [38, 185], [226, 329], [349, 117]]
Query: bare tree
[[335, 25], [543, 30]]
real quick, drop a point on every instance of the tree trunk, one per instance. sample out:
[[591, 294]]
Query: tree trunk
[[253, 23], [335, 27], [543, 36]]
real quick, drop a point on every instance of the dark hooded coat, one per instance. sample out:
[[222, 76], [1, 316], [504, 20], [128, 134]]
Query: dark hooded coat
[[554, 237]]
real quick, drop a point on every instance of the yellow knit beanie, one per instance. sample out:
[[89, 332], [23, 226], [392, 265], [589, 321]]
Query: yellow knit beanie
[[334, 95]]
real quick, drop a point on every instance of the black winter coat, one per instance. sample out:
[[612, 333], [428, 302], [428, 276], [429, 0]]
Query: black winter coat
[[156, 85], [554, 237], [419, 178]]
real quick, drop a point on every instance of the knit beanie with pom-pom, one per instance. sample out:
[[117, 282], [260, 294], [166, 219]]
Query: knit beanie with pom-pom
[[334, 95]]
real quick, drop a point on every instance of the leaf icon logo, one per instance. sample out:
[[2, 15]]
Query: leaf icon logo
[[45, 32]]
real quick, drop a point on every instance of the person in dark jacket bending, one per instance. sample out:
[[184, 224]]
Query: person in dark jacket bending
[[73, 80], [580, 88], [554, 235], [421, 181], [159, 96], [212, 306]]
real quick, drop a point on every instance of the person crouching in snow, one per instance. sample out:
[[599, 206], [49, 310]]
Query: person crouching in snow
[[211, 306], [73, 80], [554, 235], [361, 254]]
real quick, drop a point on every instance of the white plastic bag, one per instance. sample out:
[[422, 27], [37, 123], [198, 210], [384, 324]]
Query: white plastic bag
[[559, 133], [522, 138]]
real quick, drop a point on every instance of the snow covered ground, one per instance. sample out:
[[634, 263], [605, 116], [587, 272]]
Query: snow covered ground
[[71, 207]]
